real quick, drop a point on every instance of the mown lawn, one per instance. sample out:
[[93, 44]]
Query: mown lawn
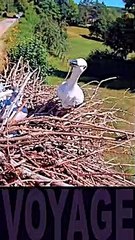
[[79, 46]]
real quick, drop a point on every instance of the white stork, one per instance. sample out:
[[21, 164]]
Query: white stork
[[69, 92]]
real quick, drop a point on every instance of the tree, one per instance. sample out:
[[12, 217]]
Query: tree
[[129, 4], [87, 11], [53, 35], [48, 7], [97, 15], [121, 34], [103, 16], [72, 13], [13, 5], [115, 37], [86, 2], [2, 5], [7, 5], [69, 11], [21, 5]]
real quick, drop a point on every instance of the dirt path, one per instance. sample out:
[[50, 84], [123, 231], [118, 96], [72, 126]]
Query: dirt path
[[6, 24]]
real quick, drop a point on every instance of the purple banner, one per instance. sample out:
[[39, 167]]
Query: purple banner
[[67, 213]]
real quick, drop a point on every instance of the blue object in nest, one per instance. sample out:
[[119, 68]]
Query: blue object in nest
[[24, 109]]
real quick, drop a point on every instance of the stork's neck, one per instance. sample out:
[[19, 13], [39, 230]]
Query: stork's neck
[[73, 79]]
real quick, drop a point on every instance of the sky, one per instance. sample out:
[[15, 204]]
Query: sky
[[116, 3]]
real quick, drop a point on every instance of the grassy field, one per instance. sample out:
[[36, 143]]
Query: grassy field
[[79, 46]]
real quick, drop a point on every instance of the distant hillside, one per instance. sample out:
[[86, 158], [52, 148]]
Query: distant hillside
[[118, 9]]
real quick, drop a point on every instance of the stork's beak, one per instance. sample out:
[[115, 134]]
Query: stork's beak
[[73, 62]]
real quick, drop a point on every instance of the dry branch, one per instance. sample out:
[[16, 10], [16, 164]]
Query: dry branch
[[57, 147]]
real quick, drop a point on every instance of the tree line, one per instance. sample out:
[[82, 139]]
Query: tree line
[[64, 10]]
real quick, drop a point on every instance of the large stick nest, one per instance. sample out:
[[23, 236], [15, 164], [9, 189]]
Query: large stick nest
[[59, 147]]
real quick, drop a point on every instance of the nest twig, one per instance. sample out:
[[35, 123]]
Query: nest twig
[[56, 147]]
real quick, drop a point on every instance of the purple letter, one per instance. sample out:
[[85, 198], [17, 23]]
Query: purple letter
[[123, 213], [81, 224], [35, 233], [57, 209], [12, 224], [101, 234]]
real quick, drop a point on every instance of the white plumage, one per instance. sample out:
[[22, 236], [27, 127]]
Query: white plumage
[[6, 100], [69, 92]]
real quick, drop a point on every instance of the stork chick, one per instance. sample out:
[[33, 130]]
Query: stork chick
[[69, 92]]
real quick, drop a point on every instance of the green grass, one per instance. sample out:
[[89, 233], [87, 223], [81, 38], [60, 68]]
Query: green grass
[[27, 26], [82, 47], [78, 47], [124, 101]]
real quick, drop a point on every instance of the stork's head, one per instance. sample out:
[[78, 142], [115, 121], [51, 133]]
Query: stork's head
[[79, 63]]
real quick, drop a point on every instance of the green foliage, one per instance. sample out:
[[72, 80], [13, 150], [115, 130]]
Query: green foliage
[[120, 36], [85, 8], [105, 16], [129, 3], [27, 25], [83, 15], [72, 13], [115, 37], [99, 55], [7, 5], [49, 8], [13, 5], [59, 10], [69, 11], [33, 51], [96, 14], [53, 35], [39, 34], [2, 5], [20, 5]]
